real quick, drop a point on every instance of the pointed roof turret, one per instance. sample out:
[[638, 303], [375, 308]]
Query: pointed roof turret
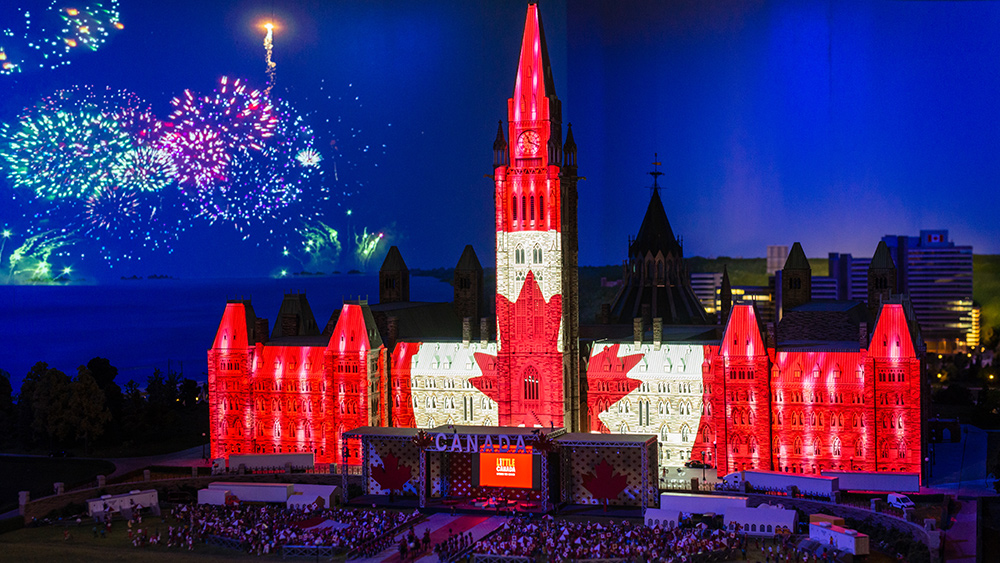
[[469, 260], [882, 259], [797, 259], [655, 233], [570, 144], [394, 261], [500, 143]]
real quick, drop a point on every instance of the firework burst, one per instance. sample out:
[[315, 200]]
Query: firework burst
[[110, 207], [144, 169], [45, 37], [260, 183], [62, 154]]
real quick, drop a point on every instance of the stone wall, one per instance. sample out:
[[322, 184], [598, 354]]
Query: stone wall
[[930, 538]]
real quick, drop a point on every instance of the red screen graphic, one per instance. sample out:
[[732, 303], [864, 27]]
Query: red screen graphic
[[505, 470]]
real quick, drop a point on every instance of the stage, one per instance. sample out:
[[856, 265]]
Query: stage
[[503, 470]]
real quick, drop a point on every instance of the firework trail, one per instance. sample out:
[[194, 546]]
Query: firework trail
[[320, 245], [365, 246], [271, 66], [33, 255]]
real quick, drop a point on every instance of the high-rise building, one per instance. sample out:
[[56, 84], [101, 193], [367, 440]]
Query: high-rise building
[[934, 272], [776, 257], [937, 275]]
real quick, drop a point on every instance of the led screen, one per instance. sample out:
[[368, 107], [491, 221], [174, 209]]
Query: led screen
[[505, 470]]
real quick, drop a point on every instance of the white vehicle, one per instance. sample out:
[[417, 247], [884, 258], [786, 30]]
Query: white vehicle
[[876, 481], [779, 481], [256, 492], [851, 541], [900, 501]]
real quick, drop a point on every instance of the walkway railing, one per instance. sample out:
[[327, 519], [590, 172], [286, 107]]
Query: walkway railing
[[220, 541], [385, 539], [486, 558], [310, 551]]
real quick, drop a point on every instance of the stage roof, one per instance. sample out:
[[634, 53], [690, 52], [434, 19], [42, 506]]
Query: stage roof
[[381, 431], [584, 438], [493, 430], [455, 429]]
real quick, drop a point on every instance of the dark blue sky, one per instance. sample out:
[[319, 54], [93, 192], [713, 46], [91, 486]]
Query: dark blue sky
[[829, 123]]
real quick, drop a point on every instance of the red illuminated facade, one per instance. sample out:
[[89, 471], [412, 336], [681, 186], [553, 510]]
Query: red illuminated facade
[[742, 395], [537, 361], [298, 392]]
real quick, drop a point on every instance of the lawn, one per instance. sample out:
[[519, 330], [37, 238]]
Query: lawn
[[47, 544], [37, 474], [986, 289]]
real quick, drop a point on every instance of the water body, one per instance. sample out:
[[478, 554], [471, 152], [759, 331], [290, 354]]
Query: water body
[[141, 325]]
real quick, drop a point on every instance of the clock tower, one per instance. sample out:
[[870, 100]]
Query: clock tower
[[537, 367]]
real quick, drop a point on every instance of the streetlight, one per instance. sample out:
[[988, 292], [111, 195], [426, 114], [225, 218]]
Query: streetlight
[[203, 456]]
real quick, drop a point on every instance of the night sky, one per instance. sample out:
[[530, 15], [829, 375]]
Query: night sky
[[829, 123]]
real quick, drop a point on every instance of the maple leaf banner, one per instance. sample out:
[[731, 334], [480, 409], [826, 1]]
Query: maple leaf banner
[[604, 483], [610, 382], [391, 476]]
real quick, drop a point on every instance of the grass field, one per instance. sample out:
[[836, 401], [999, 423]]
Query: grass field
[[986, 288], [47, 544], [37, 474]]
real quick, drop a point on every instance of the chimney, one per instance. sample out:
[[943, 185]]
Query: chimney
[[637, 330], [466, 331], [657, 332], [392, 331], [484, 330], [260, 330], [604, 317], [772, 340], [863, 335]]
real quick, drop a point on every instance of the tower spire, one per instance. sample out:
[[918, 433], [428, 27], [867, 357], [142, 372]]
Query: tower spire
[[534, 82], [656, 171]]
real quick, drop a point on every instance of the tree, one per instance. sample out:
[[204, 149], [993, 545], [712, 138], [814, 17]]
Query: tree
[[8, 415], [86, 408], [189, 392], [104, 374], [50, 402]]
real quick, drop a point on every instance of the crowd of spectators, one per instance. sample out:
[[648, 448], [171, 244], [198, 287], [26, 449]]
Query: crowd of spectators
[[265, 529], [561, 540]]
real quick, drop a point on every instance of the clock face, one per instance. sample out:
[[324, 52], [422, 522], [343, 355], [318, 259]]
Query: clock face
[[529, 142]]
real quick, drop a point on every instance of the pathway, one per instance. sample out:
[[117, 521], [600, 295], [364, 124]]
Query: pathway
[[440, 526]]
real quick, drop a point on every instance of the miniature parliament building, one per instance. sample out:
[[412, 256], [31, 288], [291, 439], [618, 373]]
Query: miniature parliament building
[[830, 385]]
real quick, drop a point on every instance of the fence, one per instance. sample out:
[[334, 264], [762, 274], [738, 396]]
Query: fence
[[382, 541], [486, 558], [685, 485], [221, 541], [310, 551]]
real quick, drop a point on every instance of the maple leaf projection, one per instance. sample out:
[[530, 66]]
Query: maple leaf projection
[[608, 381], [391, 476], [604, 483], [402, 412], [537, 334]]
